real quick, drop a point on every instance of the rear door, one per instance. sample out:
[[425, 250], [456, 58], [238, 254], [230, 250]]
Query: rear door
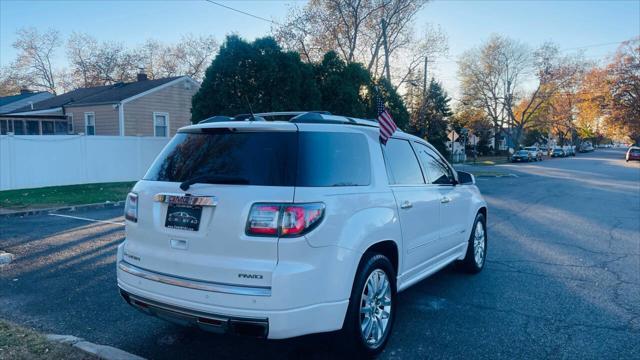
[[204, 239], [418, 205]]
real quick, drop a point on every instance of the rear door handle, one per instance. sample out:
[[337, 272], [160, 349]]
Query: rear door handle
[[406, 204], [445, 200]]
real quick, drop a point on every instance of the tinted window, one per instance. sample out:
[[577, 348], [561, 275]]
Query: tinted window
[[333, 159], [402, 165], [435, 168], [265, 158], [252, 158]]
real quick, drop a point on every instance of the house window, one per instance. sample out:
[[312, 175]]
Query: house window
[[4, 128], [160, 124], [61, 128], [90, 123], [70, 124], [18, 127], [47, 128], [33, 127]]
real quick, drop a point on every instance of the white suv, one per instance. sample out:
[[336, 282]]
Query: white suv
[[277, 229]]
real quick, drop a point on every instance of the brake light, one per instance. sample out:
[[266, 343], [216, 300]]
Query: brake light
[[131, 207], [263, 220], [284, 220]]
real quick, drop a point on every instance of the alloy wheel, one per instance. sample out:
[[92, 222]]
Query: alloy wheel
[[479, 244], [375, 308]]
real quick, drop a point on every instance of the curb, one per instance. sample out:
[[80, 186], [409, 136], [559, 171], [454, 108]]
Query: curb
[[72, 208], [102, 351], [5, 258], [496, 176]]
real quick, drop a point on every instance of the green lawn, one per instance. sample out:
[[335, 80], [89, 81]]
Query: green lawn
[[17, 342], [55, 196]]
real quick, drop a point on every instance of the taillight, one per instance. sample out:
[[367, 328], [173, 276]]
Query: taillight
[[284, 220], [263, 219], [131, 207]]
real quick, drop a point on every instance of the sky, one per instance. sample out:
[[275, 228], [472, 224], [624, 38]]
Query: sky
[[591, 26]]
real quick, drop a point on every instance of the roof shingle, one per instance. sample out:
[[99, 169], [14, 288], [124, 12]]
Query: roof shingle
[[98, 95]]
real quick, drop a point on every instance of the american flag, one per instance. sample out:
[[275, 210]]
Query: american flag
[[387, 126]]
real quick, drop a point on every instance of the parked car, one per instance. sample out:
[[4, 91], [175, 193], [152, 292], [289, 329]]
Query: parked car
[[569, 150], [558, 152], [586, 147], [536, 153], [301, 228], [522, 156], [633, 153]]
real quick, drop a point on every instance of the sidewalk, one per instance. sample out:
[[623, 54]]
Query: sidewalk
[[6, 213]]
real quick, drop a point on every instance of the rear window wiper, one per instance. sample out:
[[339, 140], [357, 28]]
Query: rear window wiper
[[213, 179]]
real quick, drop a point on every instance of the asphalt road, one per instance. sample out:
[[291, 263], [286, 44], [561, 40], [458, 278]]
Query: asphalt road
[[562, 279]]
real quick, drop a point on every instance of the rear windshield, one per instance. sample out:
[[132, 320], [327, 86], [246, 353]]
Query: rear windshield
[[265, 158]]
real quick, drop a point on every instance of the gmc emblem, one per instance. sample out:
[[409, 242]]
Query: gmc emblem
[[250, 276]]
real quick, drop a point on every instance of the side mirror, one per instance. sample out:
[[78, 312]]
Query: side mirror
[[465, 178]]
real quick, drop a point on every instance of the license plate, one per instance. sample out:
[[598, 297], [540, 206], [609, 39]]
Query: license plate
[[183, 217]]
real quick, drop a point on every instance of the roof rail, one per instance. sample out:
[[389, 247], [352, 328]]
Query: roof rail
[[300, 117], [217, 118]]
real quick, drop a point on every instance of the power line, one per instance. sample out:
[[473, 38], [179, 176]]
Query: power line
[[244, 12], [593, 45]]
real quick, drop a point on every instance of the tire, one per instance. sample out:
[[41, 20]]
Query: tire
[[471, 263], [351, 340]]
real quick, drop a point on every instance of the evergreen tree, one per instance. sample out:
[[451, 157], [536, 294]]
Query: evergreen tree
[[348, 89], [431, 119], [274, 80], [260, 73]]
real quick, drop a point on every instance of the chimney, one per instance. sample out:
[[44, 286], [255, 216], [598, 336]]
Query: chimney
[[142, 76], [25, 91]]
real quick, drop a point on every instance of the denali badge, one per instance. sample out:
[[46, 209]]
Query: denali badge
[[250, 276]]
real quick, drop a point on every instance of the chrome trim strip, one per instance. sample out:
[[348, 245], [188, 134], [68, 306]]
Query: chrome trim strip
[[182, 199], [195, 284]]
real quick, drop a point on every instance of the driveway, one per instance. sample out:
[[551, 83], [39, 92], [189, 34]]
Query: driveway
[[562, 278]]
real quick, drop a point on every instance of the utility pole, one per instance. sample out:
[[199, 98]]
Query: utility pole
[[386, 49], [424, 84]]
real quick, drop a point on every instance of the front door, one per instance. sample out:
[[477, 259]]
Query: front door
[[451, 197], [418, 206]]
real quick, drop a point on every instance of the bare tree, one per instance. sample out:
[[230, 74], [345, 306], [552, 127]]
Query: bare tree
[[557, 81], [190, 56], [430, 45], [82, 51], [353, 29], [11, 81], [511, 83], [481, 81], [194, 53], [93, 63], [35, 57]]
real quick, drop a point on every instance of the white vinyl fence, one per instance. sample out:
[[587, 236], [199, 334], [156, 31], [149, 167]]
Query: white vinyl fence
[[48, 160]]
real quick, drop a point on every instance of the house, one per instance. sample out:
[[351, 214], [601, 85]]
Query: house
[[25, 98], [144, 107]]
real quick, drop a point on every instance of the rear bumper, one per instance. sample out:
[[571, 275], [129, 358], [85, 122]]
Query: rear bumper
[[278, 324], [258, 327], [303, 298]]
